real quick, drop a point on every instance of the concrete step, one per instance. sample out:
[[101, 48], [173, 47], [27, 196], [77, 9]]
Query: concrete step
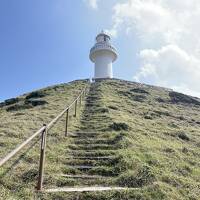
[[84, 189]]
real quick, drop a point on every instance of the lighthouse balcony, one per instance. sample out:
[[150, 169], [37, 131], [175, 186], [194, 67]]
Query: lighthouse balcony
[[103, 46]]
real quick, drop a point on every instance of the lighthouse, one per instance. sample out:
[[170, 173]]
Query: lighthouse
[[103, 54]]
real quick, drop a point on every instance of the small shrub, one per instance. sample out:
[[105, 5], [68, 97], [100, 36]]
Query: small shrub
[[171, 181], [30, 175], [36, 94], [124, 143], [142, 177], [160, 100], [118, 137], [18, 107], [185, 170], [173, 125], [182, 98], [29, 103], [103, 110], [36, 102], [183, 136], [2, 144], [19, 114], [181, 118], [169, 150], [160, 113], [147, 116], [11, 101], [139, 90], [130, 95], [2, 104], [139, 98], [65, 182], [185, 150], [125, 93], [113, 107], [119, 126]]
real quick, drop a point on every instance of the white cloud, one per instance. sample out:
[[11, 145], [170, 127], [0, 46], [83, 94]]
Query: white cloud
[[172, 67], [168, 32], [92, 3]]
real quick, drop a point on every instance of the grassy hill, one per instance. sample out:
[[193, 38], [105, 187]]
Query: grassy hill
[[149, 137]]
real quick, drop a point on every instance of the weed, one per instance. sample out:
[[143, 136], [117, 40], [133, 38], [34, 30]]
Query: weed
[[36, 94], [139, 90], [182, 98], [30, 175], [119, 126], [140, 178], [183, 136]]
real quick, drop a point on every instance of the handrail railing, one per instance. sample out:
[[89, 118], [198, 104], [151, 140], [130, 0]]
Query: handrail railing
[[16, 150], [44, 130]]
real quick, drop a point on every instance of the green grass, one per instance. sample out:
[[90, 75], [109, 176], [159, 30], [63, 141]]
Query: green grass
[[152, 133], [19, 176]]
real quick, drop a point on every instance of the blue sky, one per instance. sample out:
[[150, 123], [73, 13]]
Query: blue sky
[[46, 42]]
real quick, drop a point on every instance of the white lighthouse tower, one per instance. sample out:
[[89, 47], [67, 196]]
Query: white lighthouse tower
[[103, 54]]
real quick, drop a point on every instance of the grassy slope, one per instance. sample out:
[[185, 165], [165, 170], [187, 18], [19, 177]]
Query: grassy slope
[[153, 138], [157, 146], [18, 176]]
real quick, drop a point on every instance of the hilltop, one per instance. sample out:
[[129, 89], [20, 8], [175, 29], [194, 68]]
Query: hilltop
[[149, 137]]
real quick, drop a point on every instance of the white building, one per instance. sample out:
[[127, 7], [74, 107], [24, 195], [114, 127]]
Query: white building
[[103, 54]]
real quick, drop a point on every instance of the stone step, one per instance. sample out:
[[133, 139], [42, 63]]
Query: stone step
[[86, 134], [102, 162], [92, 141], [91, 147], [80, 167], [92, 158], [84, 176], [92, 153], [83, 180], [89, 170], [84, 189]]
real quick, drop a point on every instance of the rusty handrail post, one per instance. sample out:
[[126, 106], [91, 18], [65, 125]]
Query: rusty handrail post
[[67, 120], [75, 111], [42, 158]]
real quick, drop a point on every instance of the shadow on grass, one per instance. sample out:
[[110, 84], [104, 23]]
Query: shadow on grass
[[21, 157]]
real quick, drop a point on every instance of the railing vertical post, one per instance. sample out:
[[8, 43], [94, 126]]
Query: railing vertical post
[[42, 159], [67, 120], [80, 99], [75, 108]]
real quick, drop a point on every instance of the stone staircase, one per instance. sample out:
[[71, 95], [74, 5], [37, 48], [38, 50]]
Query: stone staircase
[[89, 165], [91, 155]]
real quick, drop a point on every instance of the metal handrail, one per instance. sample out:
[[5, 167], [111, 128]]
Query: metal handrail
[[44, 130]]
